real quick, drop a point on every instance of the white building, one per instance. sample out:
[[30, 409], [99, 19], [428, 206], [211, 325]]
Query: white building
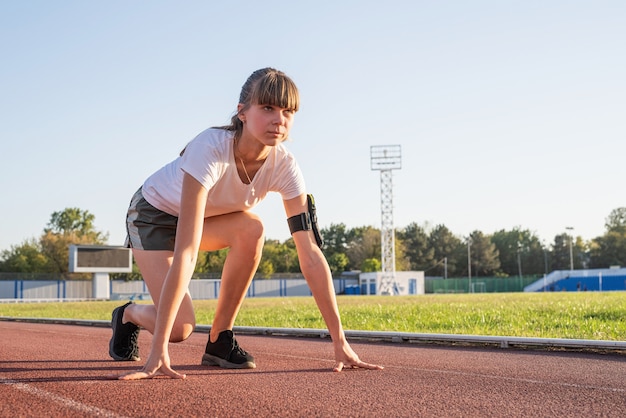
[[406, 283]]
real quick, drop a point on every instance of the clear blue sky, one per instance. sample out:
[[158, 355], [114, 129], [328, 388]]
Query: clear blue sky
[[509, 113]]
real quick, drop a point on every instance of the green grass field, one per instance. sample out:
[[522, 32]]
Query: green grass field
[[581, 315]]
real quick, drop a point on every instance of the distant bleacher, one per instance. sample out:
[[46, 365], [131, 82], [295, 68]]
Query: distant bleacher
[[610, 279]]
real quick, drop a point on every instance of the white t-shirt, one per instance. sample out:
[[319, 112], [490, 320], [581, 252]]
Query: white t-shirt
[[209, 159]]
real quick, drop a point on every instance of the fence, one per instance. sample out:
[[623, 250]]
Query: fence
[[478, 284], [42, 289], [27, 290]]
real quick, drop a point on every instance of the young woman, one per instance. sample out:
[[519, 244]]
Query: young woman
[[200, 202]]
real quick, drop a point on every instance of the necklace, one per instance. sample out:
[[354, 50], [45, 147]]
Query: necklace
[[243, 165], [245, 171]]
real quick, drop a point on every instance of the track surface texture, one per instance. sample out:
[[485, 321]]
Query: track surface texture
[[56, 370]]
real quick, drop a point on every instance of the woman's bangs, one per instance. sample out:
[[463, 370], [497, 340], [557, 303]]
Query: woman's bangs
[[277, 91]]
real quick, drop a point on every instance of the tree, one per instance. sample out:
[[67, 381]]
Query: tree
[[484, 255], [401, 260], [520, 252], [531, 256], [371, 265], [282, 256], [561, 252], [616, 221], [70, 226], [211, 261], [289, 253], [25, 258], [446, 245], [517, 251], [335, 246], [74, 221], [338, 262], [420, 255], [363, 243], [581, 253], [51, 252], [266, 269], [335, 239], [610, 249]]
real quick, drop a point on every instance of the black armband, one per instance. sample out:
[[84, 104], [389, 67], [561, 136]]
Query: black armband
[[306, 221]]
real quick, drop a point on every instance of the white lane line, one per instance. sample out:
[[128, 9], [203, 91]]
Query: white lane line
[[61, 400]]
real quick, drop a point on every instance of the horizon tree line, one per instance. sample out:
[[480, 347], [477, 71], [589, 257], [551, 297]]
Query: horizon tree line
[[433, 249]]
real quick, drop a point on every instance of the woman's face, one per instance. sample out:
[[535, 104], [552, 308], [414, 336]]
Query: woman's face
[[269, 124]]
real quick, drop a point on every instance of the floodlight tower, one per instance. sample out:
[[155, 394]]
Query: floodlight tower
[[386, 158]]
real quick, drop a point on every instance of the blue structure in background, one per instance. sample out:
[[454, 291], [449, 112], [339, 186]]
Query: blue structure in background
[[602, 280]]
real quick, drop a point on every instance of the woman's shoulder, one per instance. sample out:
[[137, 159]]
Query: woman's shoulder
[[212, 140], [282, 152], [215, 135], [284, 159], [210, 145]]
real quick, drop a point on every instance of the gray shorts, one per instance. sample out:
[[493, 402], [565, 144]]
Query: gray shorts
[[149, 228]]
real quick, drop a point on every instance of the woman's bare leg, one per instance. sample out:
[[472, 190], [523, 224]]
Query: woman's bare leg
[[243, 233], [154, 266]]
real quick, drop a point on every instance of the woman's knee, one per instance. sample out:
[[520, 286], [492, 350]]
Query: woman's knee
[[181, 331], [251, 232], [241, 230], [185, 321], [254, 227]]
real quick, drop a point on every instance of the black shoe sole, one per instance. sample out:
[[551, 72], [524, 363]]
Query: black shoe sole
[[211, 360]]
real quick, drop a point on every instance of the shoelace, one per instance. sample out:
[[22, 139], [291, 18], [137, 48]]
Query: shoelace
[[132, 339], [237, 348]]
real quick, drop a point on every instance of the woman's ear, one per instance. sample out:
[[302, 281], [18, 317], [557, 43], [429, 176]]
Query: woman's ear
[[240, 113]]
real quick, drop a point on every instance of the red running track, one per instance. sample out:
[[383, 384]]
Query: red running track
[[63, 370]]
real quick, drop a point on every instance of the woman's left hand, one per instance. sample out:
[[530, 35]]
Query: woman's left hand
[[347, 358]]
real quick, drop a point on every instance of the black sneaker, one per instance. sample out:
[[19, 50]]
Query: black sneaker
[[123, 345], [225, 352]]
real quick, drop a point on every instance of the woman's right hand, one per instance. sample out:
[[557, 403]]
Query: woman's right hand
[[155, 366]]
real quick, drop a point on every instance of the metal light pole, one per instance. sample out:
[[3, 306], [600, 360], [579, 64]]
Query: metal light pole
[[385, 158], [469, 264], [519, 259], [571, 250], [545, 259]]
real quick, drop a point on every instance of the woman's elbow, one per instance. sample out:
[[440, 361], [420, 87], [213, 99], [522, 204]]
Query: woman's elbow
[[313, 263]]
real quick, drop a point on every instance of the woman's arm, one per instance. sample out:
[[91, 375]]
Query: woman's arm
[[188, 237], [318, 276]]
